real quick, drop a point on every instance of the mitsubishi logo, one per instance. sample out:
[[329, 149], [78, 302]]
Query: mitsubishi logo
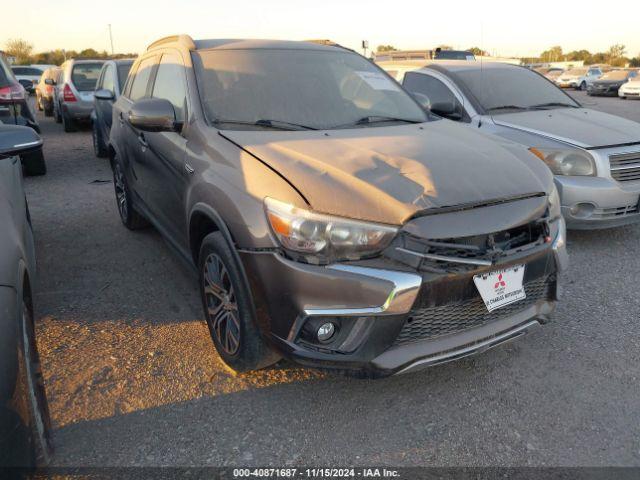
[[500, 282]]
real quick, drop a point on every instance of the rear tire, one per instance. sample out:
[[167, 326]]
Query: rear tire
[[33, 164], [583, 86], [228, 307], [99, 148], [128, 214], [39, 103], [68, 123]]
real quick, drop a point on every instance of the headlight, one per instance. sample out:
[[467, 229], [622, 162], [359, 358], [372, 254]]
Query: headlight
[[554, 203], [566, 162], [318, 238]]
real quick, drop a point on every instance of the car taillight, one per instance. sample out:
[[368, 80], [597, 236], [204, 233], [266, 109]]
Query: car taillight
[[15, 91], [48, 89], [67, 94]]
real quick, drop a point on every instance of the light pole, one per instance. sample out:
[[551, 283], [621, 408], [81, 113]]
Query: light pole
[[111, 39], [365, 46]]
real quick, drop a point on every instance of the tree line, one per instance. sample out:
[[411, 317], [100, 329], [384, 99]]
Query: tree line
[[22, 51], [616, 55]]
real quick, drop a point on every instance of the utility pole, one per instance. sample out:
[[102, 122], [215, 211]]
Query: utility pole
[[111, 38], [365, 46]]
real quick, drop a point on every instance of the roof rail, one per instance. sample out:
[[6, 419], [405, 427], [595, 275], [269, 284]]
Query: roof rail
[[183, 40]]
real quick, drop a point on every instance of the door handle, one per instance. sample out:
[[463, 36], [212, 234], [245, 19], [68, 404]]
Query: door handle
[[142, 141], [120, 118]]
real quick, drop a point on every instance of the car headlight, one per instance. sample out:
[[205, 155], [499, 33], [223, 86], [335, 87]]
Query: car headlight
[[566, 161], [554, 203], [321, 239]]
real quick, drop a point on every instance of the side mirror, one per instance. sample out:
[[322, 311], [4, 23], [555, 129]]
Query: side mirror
[[27, 84], [153, 115], [49, 81], [422, 99], [104, 94], [447, 110], [17, 140]]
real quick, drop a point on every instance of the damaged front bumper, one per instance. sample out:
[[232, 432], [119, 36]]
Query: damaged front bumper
[[390, 317]]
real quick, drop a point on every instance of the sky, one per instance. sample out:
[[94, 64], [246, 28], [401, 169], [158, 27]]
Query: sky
[[505, 28]]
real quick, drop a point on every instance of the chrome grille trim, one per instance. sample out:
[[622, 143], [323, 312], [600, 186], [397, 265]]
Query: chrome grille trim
[[625, 167]]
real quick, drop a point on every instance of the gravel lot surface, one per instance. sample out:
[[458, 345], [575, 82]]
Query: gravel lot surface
[[133, 378]]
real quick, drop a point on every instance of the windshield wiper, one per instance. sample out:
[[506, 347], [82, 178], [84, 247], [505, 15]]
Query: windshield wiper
[[552, 104], [507, 107], [277, 124], [376, 119]]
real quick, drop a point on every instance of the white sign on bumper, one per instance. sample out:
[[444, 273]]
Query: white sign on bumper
[[501, 287]]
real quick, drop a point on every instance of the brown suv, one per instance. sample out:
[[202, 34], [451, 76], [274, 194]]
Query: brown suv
[[330, 218]]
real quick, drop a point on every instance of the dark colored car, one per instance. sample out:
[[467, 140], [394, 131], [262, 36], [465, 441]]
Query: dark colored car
[[24, 416], [441, 54], [330, 218], [14, 109], [609, 83], [110, 83]]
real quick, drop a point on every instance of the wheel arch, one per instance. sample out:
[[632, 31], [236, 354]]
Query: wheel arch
[[204, 220]]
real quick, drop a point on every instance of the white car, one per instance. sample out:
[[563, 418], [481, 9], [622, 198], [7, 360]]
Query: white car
[[27, 76], [579, 78], [631, 89]]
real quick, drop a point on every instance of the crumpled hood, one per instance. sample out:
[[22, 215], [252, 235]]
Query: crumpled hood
[[578, 126], [387, 174]]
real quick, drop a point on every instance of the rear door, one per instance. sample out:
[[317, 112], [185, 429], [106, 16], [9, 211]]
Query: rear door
[[165, 171]]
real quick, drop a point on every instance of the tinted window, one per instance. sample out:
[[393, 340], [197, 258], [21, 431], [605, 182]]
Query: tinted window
[[123, 71], [510, 86], [26, 71], [454, 55], [107, 79], [170, 83], [85, 76], [426, 86], [315, 88], [6, 75], [141, 80]]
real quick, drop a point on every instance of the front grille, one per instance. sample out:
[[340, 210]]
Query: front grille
[[432, 322], [456, 255], [614, 212], [625, 167]]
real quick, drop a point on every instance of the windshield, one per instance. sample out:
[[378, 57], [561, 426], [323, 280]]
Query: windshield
[[454, 55], [615, 75], [85, 76], [309, 88], [576, 72], [497, 88]]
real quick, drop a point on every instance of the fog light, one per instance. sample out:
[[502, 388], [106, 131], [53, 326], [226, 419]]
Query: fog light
[[326, 331], [582, 210]]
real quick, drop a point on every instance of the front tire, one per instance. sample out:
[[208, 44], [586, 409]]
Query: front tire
[[228, 308], [36, 403], [583, 86], [128, 214]]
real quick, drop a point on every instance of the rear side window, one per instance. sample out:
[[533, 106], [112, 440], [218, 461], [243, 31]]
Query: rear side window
[[138, 88], [170, 83], [85, 76], [6, 75], [123, 71]]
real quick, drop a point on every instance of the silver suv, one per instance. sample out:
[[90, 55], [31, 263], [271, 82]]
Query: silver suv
[[74, 92]]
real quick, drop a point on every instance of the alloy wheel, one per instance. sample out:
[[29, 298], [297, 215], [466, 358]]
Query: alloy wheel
[[121, 192], [221, 304]]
